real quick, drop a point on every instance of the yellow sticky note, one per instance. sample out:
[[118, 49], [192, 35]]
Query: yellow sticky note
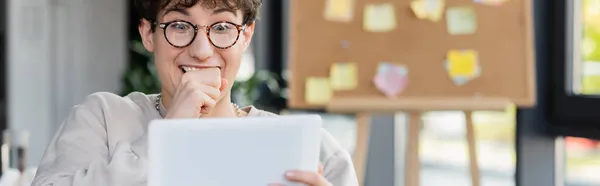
[[462, 63], [461, 20], [339, 10], [418, 7], [379, 17], [317, 90], [343, 76], [428, 9]]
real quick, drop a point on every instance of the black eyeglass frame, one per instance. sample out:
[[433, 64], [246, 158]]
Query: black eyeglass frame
[[164, 25]]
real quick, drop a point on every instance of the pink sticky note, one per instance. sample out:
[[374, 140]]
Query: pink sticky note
[[392, 81]]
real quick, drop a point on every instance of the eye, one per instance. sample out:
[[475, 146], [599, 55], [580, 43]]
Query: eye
[[222, 28], [180, 26]]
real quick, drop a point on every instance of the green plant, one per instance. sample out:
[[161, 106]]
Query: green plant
[[141, 72], [262, 82]]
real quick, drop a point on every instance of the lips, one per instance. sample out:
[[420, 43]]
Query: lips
[[191, 68]]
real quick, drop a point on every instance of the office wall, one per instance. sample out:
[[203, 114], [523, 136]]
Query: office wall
[[3, 20], [3, 52], [90, 52], [29, 77], [3, 13], [59, 52]]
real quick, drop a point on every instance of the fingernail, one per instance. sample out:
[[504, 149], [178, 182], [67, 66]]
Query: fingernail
[[290, 174]]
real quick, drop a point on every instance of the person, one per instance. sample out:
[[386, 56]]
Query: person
[[197, 47]]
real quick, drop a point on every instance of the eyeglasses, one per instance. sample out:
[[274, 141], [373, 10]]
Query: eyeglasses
[[222, 35]]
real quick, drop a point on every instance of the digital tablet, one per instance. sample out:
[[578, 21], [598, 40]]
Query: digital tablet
[[249, 151]]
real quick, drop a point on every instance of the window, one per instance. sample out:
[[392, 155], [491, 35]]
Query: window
[[575, 68], [575, 57], [582, 162], [586, 47], [444, 151]]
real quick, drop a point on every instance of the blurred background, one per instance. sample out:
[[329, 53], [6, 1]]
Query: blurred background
[[56, 52]]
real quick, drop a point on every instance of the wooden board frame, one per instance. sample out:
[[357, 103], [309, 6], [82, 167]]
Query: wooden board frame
[[347, 102]]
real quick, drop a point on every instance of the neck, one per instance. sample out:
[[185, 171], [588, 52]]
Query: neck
[[222, 109]]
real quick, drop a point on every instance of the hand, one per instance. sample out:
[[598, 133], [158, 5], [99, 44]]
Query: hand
[[307, 177], [197, 93]]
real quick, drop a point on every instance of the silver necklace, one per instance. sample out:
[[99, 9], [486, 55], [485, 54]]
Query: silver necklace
[[239, 112]]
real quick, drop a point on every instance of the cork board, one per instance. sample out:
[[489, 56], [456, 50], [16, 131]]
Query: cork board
[[503, 41]]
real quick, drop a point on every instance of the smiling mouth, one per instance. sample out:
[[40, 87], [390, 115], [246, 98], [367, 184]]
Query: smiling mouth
[[185, 69]]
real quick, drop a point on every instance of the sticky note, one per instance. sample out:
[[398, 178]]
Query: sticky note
[[435, 9], [379, 17], [391, 79], [462, 66], [428, 9], [461, 20], [317, 90], [462, 63], [339, 10], [344, 76], [418, 7], [491, 2]]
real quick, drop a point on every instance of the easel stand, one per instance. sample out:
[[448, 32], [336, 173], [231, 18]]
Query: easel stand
[[412, 158], [412, 173], [361, 151]]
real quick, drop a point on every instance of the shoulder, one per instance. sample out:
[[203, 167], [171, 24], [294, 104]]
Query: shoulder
[[112, 106], [110, 99]]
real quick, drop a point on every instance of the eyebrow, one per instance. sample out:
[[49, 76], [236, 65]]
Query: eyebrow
[[179, 10], [223, 9], [186, 13]]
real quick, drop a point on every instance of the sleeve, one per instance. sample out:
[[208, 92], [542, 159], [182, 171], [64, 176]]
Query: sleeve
[[339, 170], [337, 162], [79, 154]]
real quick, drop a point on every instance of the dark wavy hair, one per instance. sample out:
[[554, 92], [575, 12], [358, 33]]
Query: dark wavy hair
[[149, 9]]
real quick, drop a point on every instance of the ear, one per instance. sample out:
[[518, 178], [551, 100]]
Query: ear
[[248, 33], [147, 34]]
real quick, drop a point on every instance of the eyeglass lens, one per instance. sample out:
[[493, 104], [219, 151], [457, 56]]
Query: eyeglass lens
[[221, 35]]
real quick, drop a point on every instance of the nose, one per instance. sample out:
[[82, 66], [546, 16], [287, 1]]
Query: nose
[[201, 49]]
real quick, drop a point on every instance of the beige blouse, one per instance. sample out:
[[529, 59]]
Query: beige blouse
[[102, 143]]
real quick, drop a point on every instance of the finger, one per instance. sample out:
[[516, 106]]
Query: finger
[[276, 184], [224, 83], [207, 104], [207, 76], [320, 169], [212, 92], [195, 89], [310, 178]]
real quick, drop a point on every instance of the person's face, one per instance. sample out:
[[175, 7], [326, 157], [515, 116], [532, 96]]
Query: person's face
[[172, 61]]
